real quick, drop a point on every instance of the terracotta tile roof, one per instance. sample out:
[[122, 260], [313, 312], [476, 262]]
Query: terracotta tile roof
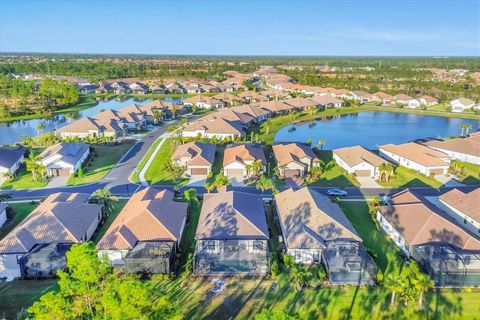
[[357, 154], [81, 125], [383, 95], [288, 152], [274, 106], [418, 153], [429, 98], [199, 153], [325, 99], [242, 153], [299, 102], [251, 110], [226, 97], [310, 219], [232, 215], [467, 203], [61, 218], [149, 215], [469, 145], [215, 125], [402, 96], [420, 222]]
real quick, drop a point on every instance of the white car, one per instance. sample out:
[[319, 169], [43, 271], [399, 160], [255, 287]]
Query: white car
[[337, 192]]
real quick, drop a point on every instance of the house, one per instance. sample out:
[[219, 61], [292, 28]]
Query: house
[[275, 106], [294, 159], [10, 159], [64, 159], [462, 104], [327, 101], [89, 127], [300, 103], [359, 161], [383, 97], [121, 87], [88, 88], [145, 236], [105, 88], [417, 157], [407, 101], [131, 117], [246, 117], [237, 158], [138, 88], [156, 88], [428, 100], [214, 127], [444, 249], [258, 114], [227, 98], [197, 158], [315, 230], [204, 102], [3, 213], [362, 96], [464, 207], [466, 149], [272, 94], [36, 247], [232, 235], [250, 96]]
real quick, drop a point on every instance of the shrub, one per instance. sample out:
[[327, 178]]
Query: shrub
[[321, 273], [274, 269]]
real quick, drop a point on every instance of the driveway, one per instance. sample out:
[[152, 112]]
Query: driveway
[[56, 182], [197, 181], [367, 182], [237, 182]]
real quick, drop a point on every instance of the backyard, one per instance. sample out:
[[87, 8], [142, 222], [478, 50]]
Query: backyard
[[472, 174]]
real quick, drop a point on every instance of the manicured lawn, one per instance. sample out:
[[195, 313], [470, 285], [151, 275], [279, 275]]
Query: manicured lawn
[[472, 174], [114, 209], [17, 212], [134, 177], [158, 172], [23, 180], [405, 177], [218, 163], [105, 159], [335, 176]]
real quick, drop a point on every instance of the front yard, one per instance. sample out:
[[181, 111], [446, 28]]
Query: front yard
[[334, 175], [23, 180], [405, 177]]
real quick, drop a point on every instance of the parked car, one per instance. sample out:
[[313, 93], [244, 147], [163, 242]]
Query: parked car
[[337, 192]]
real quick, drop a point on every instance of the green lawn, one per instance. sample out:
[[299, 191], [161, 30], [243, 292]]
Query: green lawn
[[113, 210], [134, 177], [405, 177], [335, 176], [105, 159], [23, 180], [472, 174], [218, 163], [158, 172], [16, 214]]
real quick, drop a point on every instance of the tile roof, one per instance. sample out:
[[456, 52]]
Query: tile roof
[[466, 145], [310, 219], [357, 154], [288, 152], [9, 156], [242, 153], [69, 153], [467, 203], [418, 153], [149, 215], [199, 153]]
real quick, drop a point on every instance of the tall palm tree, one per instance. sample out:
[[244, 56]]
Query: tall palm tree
[[157, 116], [395, 284], [386, 172], [422, 283], [465, 128], [40, 127], [265, 183], [267, 125], [321, 143], [104, 195]]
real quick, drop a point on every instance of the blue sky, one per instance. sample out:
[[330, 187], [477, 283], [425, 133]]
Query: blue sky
[[405, 27]]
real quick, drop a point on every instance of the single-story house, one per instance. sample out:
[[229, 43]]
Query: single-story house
[[145, 236], [10, 159], [417, 157], [258, 114], [36, 247], [105, 88], [89, 127], [300, 103], [88, 88], [138, 88], [204, 102], [250, 96], [131, 117], [447, 251], [327, 101], [232, 235], [383, 97], [294, 159], [275, 106], [359, 161], [64, 159], [3, 213], [362, 96], [428, 100], [464, 207], [407, 101], [465, 149], [214, 127], [462, 104], [227, 98], [238, 156], [315, 230], [197, 158]]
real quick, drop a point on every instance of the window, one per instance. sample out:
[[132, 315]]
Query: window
[[316, 256], [211, 246], [297, 255], [257, 246]]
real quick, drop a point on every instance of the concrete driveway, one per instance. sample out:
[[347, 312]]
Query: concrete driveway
[[237, 182], [56, 182], [367, 182], [197, 181]]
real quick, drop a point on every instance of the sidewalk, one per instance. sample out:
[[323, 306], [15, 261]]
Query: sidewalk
[[141, 175]]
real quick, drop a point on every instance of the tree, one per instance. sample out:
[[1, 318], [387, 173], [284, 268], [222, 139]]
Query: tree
[[386, 171], [8, 176], [40, 127], [36, 168], [265, 183], [157, 116], [267, 126], [422, 283], [209, 186], [266, 314], [92, 290], [465, 128], [314, 174], [395, 284], [104, 195], [254, 169], [80, 172], [457, 168], [321, 143]]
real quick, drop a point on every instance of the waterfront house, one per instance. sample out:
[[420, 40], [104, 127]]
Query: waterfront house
[[10, 159], [64, 159], [362, 96], [294, 159], [275, 106], [237, 158], [383, 97], [88, 88], [197, 158], [428, 100], [359, 161], [204, 102], [105, 88], [156, 88], [121, 87], [327, 101], [213, 127], [444, 249], [464, 207], [36, 247], [466, 149], [418, 157], [89, 127], [257, 114], [407, 101], [315, 230], [300, 103], [138, 88], [145, 236], [232, 235], [462, 104]]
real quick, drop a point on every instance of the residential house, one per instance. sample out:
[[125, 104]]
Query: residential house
[[466, 149], [138, 88], [3, 213], [444, 249], [359, 161], [362, 96], [232, 235], [156, 88], [228, 99], [204, 102], [428, 100], [275, 106], [11, 159], [300, 103], [272, 94], [417, 157], [36, 247], [407, 101], [462, 104], [131, 117], [105, 88], [258, 114], [89, 127], [250, 96], [64, 159], [174, 88], [237, 158], [214, 127], [197, 158], [121, 87], [464, 207], [327, 101], [88, 88], [294, 159], [315, 230], [145, 236], [383, 97]]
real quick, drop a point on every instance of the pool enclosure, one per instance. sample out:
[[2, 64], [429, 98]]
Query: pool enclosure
[[347, 262], [151, 257], [448, 266], [44, 260], [248, 257]]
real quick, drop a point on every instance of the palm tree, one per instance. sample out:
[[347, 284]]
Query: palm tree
[[395, 284], [40, 127], [265, 183], [465, 127], [8, 176], [386, 172], [104, 195], [321, 143], [157, 116], [267, 125], [209, 186], [35, 167], [422, 283]]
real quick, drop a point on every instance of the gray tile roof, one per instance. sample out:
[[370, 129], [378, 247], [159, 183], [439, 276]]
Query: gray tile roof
[[9, 156]]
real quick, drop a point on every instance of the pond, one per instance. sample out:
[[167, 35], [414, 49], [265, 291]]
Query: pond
[[12, 132], [371, 129]]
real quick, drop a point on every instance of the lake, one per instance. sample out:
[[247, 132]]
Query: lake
[[12, 132], [371, 129]]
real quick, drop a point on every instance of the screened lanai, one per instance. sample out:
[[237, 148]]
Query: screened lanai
[[151, 257], [44, 260]]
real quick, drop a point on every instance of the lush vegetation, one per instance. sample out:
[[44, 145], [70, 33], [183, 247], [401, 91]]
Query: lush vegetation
[[404, 177]]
